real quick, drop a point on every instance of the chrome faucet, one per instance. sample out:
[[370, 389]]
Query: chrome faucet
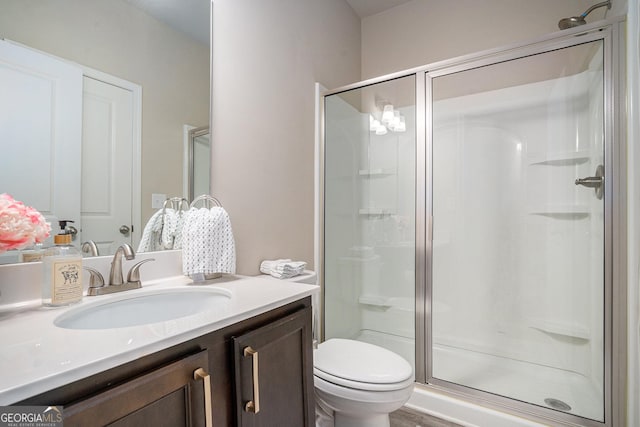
[[115, 275], [89, 247], [116, 281]]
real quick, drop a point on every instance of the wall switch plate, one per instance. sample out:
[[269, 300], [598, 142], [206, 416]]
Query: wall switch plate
[[157, 200]]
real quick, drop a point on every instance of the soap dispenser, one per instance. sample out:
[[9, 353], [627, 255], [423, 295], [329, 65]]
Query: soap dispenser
[[62, 274]]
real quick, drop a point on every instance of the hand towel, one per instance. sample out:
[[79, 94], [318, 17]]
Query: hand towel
[[177, 240], [208, 246], [151, 235], [282, 268], [169, 226]]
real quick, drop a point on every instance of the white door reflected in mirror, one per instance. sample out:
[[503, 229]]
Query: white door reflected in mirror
[[40, 127], [108, 153]]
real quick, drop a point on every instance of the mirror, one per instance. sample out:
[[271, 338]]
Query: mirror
[[198, 169], [158, 53]]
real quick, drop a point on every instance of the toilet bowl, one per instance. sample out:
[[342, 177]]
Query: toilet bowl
[[359, 383]]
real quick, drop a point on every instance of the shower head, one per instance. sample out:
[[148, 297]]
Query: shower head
[[574, 21]]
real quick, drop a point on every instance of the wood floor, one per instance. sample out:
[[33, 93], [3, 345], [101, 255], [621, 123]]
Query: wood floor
[[405, 417]]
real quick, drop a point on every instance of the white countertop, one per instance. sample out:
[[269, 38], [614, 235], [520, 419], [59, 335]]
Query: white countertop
[[36, 355]]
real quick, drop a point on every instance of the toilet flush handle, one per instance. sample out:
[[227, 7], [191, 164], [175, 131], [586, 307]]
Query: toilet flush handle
[[253, 405]]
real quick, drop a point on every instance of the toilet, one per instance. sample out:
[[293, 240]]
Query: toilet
[[357, 384]]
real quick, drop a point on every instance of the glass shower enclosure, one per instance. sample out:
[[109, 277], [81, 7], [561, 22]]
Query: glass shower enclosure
[[470, 216], [369, 244]]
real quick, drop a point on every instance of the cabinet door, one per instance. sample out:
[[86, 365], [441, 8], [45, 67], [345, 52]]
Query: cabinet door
[[167, 396], [274, 373]]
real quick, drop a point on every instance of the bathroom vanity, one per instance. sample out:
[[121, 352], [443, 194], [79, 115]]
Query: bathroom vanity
[[248, 364]]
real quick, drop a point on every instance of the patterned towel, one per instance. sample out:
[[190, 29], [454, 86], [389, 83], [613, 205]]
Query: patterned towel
[[151, 239], [207, 242], [169, 227]]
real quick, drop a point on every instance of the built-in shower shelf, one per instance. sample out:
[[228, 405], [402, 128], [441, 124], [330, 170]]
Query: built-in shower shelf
[[376, 212], [557, 327], [561, 211], [561, 158], [376, 172], [376, 300]]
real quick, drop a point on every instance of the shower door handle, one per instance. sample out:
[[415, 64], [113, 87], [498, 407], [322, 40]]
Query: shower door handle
[[595, 182], [590, 181]]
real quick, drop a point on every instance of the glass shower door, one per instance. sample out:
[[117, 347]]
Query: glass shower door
[[517, 281], [369, 215]]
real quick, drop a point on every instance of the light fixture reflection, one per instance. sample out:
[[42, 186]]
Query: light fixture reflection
[[387, 114], [390, 120], [382, 130], [374, 124]]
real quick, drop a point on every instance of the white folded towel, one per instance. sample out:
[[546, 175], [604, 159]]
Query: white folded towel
[[282, 268], [207, 242]]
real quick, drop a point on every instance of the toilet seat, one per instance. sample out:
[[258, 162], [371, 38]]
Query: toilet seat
[[361, 366]]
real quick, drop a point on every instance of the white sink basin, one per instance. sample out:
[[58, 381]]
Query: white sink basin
[[144, 308]]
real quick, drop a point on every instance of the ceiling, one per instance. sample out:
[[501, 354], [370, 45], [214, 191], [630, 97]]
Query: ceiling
[[366, 8], [192, 16], [188, 16]]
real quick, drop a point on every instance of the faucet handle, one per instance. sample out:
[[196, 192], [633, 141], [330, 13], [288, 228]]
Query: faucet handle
[[91, 248], [96, 280], [134, 274]]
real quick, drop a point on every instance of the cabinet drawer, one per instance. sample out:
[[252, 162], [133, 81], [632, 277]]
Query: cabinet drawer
[[167, 396]]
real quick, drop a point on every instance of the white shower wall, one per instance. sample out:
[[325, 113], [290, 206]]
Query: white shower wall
[[504, 202]]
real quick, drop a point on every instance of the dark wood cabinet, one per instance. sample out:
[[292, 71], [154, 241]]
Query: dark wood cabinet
[[271, 388], [166, 396], [160, 389]]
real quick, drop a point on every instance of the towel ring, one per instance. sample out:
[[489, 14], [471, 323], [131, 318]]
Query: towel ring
[[175, 203], [209, 201]]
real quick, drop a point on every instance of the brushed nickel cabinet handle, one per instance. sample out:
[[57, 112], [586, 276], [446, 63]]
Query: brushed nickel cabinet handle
[[253, 405], [206, 378]]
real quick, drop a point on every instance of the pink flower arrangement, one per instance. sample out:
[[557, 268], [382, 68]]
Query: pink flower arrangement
[[20, 225]]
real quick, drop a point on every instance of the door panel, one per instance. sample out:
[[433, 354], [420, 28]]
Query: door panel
[[40, 124], [524, 318], [107, 143]]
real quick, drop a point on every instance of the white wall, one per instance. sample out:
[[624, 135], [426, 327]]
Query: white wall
[[267, 56]]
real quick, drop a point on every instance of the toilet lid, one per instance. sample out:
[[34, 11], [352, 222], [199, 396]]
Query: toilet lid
[[360, 365]]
